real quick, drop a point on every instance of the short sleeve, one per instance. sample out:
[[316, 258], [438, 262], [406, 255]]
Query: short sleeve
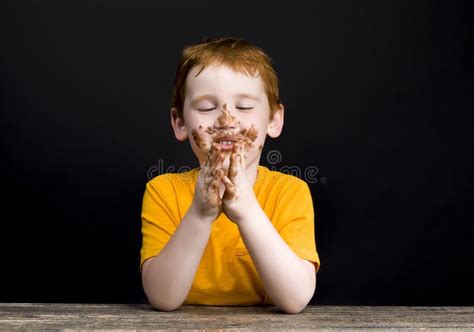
[[295, 219], [158, 218]]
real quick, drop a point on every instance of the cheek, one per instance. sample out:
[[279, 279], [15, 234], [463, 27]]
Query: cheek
[[260, 130], [198, 137], [260, 140]]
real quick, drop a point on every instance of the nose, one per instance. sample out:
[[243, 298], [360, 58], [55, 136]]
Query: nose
[[225, 120]]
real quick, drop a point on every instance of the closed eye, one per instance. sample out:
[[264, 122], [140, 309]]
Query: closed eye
[[213, 108]]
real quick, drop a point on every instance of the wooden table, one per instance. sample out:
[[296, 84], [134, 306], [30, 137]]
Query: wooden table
[[59, 316]]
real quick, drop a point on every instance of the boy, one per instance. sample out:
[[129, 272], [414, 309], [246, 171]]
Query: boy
[[230, 232]]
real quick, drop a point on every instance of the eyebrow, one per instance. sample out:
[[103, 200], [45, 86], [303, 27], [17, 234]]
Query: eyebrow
[[208, 96], [202, 97], [247, 95]]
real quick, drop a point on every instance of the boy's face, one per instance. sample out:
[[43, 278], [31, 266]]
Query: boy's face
[[224, 105]]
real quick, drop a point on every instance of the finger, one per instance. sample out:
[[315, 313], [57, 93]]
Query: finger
[[204, 178], [227, 182], [214, 196], [209, 165], [212, 154], [240, 152], [240, 162], [243, 157], [230, 189], [217, 165], [216, 176], [233, 163], [231, 179]]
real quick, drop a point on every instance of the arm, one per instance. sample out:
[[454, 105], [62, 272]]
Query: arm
[[167, 278], [289, 280]]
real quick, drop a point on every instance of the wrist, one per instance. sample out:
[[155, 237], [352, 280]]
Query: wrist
[[250, 213], [201, 214]]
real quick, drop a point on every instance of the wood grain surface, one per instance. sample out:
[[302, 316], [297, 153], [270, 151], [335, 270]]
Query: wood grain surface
[[67, 317]]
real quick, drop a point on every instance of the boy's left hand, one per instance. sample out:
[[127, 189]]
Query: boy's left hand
[[239, 198]]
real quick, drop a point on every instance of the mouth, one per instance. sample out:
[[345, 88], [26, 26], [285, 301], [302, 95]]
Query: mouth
[[226, 143]]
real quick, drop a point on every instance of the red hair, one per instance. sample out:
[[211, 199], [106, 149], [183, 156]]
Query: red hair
[[238, 54]]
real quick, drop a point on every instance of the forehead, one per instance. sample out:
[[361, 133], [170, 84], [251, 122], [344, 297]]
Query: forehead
[[222, 79]]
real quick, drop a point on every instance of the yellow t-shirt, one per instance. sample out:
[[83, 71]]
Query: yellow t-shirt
[[226, 274]]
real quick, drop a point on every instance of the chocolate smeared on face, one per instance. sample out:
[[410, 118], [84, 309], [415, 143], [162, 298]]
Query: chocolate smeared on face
[[210, 130], [217, 131], [226, 119], [198, 137], [249, 136]]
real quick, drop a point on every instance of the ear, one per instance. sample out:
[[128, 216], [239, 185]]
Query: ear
[[177, 123], [275, 126]]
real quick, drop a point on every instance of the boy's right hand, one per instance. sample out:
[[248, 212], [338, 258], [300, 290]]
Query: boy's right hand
[[207, 199]]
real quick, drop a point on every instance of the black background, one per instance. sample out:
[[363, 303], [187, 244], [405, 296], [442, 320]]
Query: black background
[[378, 95]]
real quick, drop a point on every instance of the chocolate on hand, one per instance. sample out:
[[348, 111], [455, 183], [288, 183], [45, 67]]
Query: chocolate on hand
[[210, 178], [236, 170]]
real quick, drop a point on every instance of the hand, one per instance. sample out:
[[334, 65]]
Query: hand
[[207, 199], [239, 198]]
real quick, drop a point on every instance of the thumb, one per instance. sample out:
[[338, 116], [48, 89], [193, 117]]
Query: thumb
[[230, 188]]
